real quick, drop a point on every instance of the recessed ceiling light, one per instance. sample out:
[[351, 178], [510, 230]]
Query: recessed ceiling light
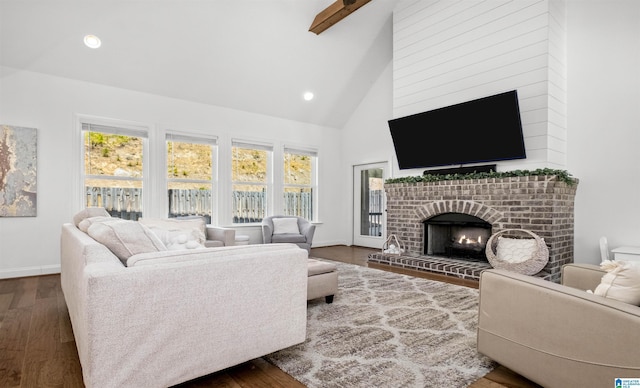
[[92, 41], [308, 96]]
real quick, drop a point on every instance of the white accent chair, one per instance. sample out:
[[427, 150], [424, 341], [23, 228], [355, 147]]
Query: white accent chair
[[282, 233]]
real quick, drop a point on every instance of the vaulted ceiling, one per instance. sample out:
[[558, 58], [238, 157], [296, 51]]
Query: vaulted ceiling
[[252, 55]]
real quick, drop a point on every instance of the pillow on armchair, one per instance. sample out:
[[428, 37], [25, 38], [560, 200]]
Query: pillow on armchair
[[621, 282], [285, 226], [288, 229]]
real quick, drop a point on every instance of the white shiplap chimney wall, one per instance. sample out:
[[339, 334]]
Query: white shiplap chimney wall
[[447, 51]]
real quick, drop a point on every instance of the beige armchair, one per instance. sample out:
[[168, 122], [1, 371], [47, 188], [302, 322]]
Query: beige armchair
[[558, 335], [301, 236]]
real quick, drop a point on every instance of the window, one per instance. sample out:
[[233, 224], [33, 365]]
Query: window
[[299, 182], [251, 177], [130, 168], [114, 160], [190, 169]]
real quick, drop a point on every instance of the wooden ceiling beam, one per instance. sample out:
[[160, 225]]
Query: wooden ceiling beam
[[334, 13]]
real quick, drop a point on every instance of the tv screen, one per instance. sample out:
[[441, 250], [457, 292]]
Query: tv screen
[[483, 130]]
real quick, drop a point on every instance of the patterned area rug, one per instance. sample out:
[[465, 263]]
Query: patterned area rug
[[388, 330]]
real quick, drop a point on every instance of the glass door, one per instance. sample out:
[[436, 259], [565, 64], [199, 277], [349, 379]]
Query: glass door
[[369, 205]]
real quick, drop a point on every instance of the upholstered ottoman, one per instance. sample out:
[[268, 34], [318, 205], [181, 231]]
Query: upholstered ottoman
[[322, 281]]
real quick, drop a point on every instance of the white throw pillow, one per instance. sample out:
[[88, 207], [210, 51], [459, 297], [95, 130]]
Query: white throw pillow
[[515, 250], [87, 222], [125, 238], [91, 211], [621, 282], [168, 229], [285, 225], [177, 239]]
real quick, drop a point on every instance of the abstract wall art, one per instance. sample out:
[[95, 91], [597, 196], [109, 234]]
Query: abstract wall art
[[18, 163]]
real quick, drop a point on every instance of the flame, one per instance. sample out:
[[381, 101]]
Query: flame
[[464, 240]]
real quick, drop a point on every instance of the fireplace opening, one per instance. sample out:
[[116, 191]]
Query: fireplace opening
[[456, 235]]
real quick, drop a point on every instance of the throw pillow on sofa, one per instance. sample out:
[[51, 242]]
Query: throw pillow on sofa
[[125, 238], [621, 282], [87, 222], [178, 234], [91, 211]]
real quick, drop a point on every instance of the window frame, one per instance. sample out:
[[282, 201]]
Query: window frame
[[313, 153], [269, 191], [154, 174], [116, 127], [186, 137]]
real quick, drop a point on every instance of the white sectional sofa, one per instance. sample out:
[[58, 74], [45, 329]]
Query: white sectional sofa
[[161, 318]]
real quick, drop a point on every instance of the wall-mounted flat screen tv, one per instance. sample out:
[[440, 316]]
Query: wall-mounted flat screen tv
[[484, 130]]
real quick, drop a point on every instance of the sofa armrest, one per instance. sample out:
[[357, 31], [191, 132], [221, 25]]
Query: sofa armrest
[[582, 276], [226, 235], [554, 335]]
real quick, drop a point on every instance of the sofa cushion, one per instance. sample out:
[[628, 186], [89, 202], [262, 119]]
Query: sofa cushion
[[89, 212], [317, 267], [213, 244], [285, 225], [178, 233], [288, 238], [221, 253], [621, 282], [125, 238]]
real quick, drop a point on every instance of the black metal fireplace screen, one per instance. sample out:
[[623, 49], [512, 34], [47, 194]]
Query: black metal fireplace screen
[[456, 235]]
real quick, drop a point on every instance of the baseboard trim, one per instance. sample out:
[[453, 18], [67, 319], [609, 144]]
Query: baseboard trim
[[321, 244], [29, 271]]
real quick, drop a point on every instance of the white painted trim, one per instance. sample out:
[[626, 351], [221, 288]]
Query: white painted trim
[[29, 271], [330, 243]]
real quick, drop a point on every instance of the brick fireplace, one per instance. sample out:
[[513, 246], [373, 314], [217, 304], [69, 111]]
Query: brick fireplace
[[542, 204]]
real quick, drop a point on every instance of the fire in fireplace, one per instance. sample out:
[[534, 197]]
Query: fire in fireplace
[[456, 235]]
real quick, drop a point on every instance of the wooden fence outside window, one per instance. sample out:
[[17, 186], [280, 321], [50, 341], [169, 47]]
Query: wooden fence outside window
[[247, 206]]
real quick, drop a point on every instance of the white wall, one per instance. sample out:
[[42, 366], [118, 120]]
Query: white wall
[[365, 138], [30, 245], [603, 122], [448, 52], [603, 52]]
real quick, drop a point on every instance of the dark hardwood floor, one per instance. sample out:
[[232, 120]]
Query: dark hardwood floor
[[37, 348]]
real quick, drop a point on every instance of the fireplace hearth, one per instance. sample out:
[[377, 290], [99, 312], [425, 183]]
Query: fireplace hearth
[[542, 204]]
